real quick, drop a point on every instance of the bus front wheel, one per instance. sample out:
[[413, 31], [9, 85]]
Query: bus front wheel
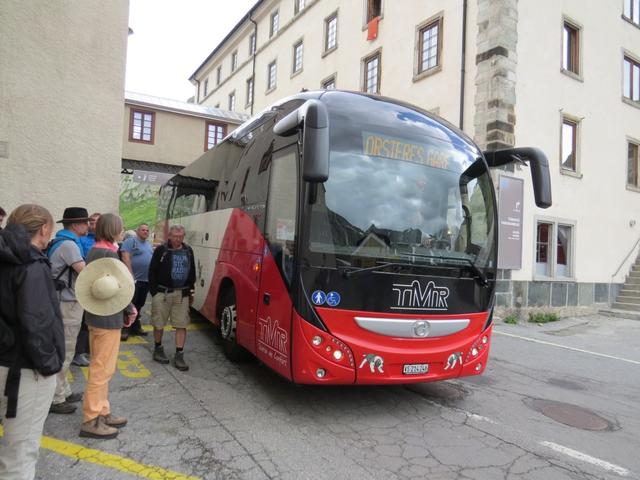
[[228, 316]]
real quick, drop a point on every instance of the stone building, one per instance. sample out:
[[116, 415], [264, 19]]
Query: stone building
[[163, 135], [60, 108], [553, 75], [160, 136]]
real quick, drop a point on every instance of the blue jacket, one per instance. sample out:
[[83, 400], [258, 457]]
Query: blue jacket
[[87, 242], [61, 236]]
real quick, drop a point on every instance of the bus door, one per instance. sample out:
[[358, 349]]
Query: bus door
[[273, 326]]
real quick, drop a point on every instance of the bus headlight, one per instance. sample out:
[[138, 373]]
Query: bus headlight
[[320, 373], [317, 340], [337, 354]]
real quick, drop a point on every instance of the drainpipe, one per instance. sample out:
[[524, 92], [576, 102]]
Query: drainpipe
[[197, 91], [463, 62], [255, 49]]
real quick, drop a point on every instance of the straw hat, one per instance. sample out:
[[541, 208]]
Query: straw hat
[[104, 287]]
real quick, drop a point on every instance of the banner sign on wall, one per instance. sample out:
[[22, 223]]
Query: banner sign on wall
[[156, 178], [139, 197], [510, 223]]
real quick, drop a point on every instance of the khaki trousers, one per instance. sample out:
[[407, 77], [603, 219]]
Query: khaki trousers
[[72, 320], [104, 344], [21, 441]]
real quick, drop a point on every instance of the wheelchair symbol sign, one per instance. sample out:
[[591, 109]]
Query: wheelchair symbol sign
[[333, 299]]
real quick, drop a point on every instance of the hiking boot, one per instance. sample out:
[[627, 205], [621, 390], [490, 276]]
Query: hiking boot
[[97, 428], [81, 360], [114, 421], [159, 355], [64, 408], [73, 398], [179, 363], [124, 335]]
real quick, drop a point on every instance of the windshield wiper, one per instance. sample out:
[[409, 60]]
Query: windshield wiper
[[347, 273], [479, 275]]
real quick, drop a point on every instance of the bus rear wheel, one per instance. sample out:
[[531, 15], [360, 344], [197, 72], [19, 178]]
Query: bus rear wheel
[[228, 316]]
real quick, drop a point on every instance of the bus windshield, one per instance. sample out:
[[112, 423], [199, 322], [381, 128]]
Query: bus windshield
[[390, 198]]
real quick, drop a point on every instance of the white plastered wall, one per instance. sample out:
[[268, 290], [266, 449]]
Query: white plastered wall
[[603, 209], [61, 96]]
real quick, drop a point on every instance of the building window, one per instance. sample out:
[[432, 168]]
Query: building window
[[632, 11], [331, 32], [429, 46], [542, 249], [633, 165], [569, 145], [271, 76], [297, 57], [219, 75], [374, 9], [273, 26], [563, 251], [554, 262], [234, 61], [206, 87], [215, 132], [372, 74], [571, 48], [631, 79], [141, 126], [298, 6], [249, 91], [329, 83], [252, 44], [232, 101]]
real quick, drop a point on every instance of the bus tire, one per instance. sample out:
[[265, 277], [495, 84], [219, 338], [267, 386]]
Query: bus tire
[[228, 315]]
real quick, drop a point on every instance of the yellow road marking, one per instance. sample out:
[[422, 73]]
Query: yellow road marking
[[109, 460], [191, 326], [130, 366], [134, 340]]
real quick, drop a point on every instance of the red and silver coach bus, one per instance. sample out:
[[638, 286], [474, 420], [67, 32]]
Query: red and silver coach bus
[[343, 238]]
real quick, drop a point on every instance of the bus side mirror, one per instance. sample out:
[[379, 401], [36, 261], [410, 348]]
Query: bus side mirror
[[312, 117], [539, 169]]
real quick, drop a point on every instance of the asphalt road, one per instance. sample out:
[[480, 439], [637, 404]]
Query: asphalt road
[[558, 401]]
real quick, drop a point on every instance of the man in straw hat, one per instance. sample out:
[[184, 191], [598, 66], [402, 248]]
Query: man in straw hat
[[67, 261]]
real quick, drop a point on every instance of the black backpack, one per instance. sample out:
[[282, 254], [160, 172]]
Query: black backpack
[[12, 385], [7, 337], [58, 283]]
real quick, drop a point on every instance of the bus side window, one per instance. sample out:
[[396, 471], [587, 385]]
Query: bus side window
[[165, 196], [282, 204], [191, 195]]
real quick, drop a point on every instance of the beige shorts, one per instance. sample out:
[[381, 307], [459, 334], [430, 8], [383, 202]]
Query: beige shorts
[[170, 308]]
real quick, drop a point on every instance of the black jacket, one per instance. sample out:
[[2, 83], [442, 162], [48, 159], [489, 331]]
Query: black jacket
[[160, 269], [29, 304]]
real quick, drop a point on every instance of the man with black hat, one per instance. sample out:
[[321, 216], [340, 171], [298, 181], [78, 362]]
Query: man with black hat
[[65, 255]]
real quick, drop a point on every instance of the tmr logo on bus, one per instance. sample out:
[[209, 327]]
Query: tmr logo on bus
[[272, 340], [414, 297]]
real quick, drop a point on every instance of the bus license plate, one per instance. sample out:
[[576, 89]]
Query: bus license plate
[[415, 368]]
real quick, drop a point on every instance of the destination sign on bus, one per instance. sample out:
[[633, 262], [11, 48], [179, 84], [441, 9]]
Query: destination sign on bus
[[378, 145]]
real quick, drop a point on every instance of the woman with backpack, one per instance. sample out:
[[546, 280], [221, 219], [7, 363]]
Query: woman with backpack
[[32, 341]]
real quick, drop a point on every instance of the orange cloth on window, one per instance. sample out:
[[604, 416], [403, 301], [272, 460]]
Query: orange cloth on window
[[104, 346], [372, 28]]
